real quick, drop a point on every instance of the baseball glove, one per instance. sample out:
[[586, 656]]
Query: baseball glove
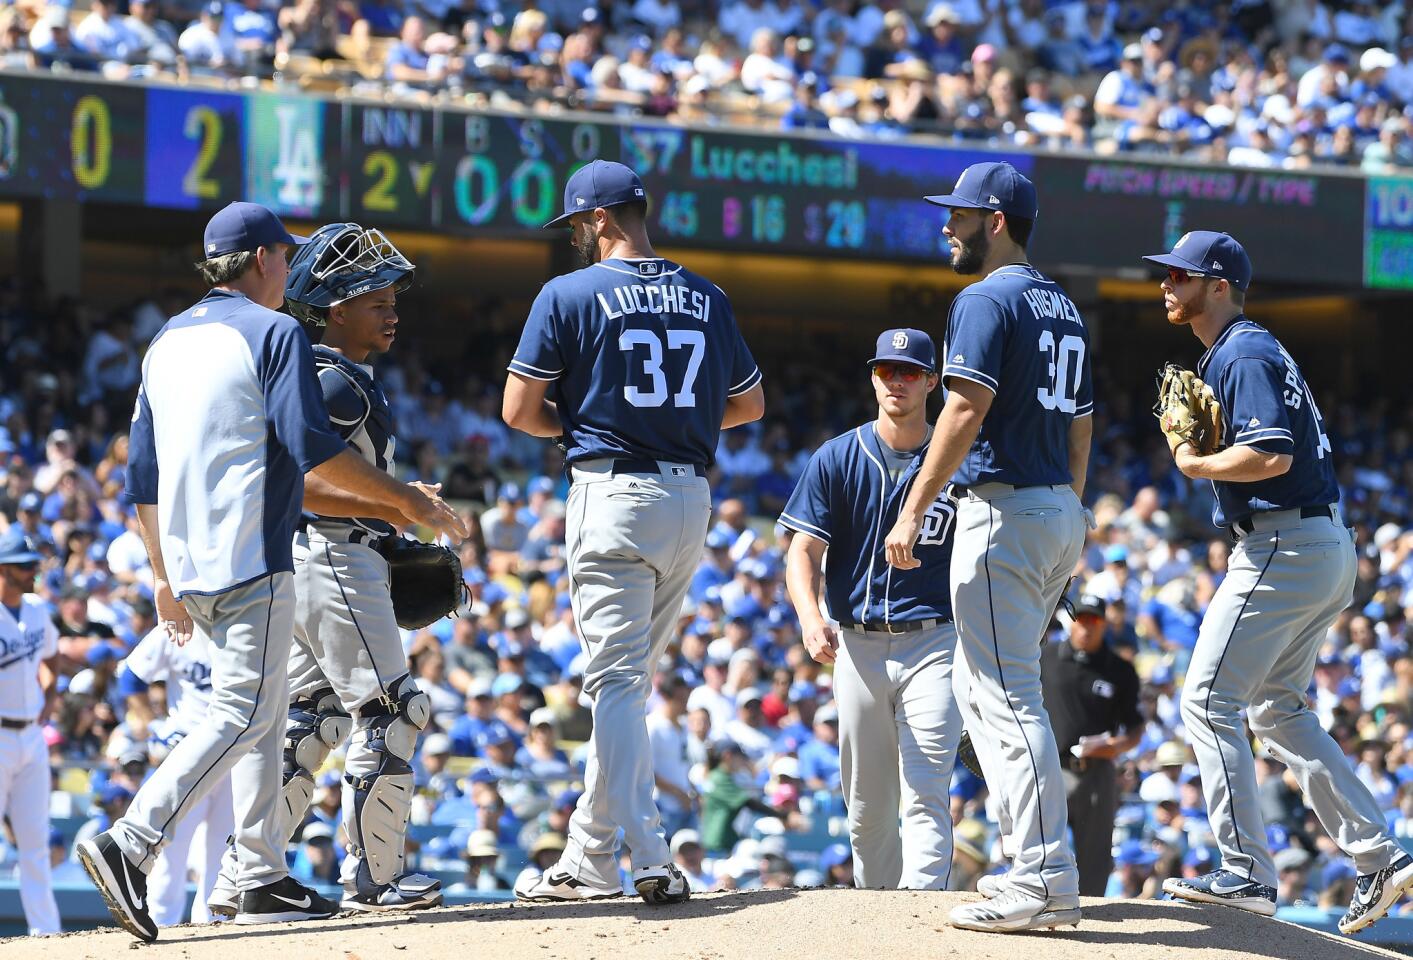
[[966, 753], [425, 581], [1187, 410]]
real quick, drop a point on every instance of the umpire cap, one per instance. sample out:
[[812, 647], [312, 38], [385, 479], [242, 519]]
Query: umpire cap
[[906, 345], [599, 183]]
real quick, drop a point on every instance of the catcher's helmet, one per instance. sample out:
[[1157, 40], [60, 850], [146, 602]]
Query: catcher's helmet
[[342, 261]]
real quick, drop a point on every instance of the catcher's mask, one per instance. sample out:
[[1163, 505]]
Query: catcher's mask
[[342, 261]]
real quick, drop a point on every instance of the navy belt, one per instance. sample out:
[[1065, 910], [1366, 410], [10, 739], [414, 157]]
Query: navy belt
[[7, 724], [648, 466], [1306, 513], [905, 626]]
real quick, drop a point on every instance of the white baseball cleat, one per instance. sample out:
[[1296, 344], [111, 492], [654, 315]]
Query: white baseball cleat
[[223, 903], [1013, 910], [664, 884], [557, 883], [992, 884]]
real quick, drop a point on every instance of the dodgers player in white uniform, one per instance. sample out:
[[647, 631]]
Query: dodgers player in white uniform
[[1013, 438], [186, 672], [228, 421], [646, 368], [898, 723], [347, 660], [28, 646]]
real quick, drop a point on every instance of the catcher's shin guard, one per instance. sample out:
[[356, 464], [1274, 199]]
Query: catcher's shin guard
[[317, 724], [385, 740]]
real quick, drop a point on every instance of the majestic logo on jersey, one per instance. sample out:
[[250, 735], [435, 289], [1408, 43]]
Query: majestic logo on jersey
[[900, 341], [959, 359], [1255, 422]]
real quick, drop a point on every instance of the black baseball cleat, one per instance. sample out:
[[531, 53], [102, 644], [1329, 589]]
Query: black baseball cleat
[[1226, 888], [663, 884], [1374, 893], [411, 891], [123, 886], [282, 901]]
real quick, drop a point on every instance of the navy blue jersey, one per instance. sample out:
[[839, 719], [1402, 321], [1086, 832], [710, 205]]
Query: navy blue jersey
[[642, 355], [1267, 404], [358, 412], [229, 419], [848, 499], [1019, 336]]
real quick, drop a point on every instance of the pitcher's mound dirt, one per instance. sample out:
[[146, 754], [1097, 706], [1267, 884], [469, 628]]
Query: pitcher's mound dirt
[[789, 924]]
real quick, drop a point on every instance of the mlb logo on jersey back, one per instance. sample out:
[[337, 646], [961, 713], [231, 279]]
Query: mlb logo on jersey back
[[650, 268], [900, 341]]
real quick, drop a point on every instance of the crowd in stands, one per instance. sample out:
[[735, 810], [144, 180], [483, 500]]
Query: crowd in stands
[[1264, 83], [743, 727]]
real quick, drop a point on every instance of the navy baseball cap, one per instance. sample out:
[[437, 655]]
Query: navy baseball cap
[[599, 183], [905, 345], [1207, 253], [992, 186], [242, 227], [16, 548]]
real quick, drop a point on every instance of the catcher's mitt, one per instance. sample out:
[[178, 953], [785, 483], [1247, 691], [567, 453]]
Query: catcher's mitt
[[425, 581], [966, 753], [1187, 410]]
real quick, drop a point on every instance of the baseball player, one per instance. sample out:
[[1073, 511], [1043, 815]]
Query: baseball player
[[186, 671], [228, 421], [29, 642], [898, 724], [645, 367], [1015, 432], [347, 669], [1290, 574]]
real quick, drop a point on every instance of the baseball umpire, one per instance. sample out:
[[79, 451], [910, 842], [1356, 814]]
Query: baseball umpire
[[28, 646], [646, 368], [1015, 431], [1290, 574], [898, 724], [347, 668], [228, 421]]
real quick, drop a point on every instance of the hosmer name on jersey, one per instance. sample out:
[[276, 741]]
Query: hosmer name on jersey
[[1046, 304], [656, 298]]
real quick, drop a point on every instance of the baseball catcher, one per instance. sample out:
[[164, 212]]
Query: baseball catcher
[[356, 580]]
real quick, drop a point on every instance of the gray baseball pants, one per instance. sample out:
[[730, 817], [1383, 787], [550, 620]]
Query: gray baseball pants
[[1014, 551], [986, 753], [632, 544], [1286, 583], [346, 637], [345, 633], [898, 730], [249, 629]]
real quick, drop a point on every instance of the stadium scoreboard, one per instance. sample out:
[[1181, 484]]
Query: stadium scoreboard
[[453, 171]]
